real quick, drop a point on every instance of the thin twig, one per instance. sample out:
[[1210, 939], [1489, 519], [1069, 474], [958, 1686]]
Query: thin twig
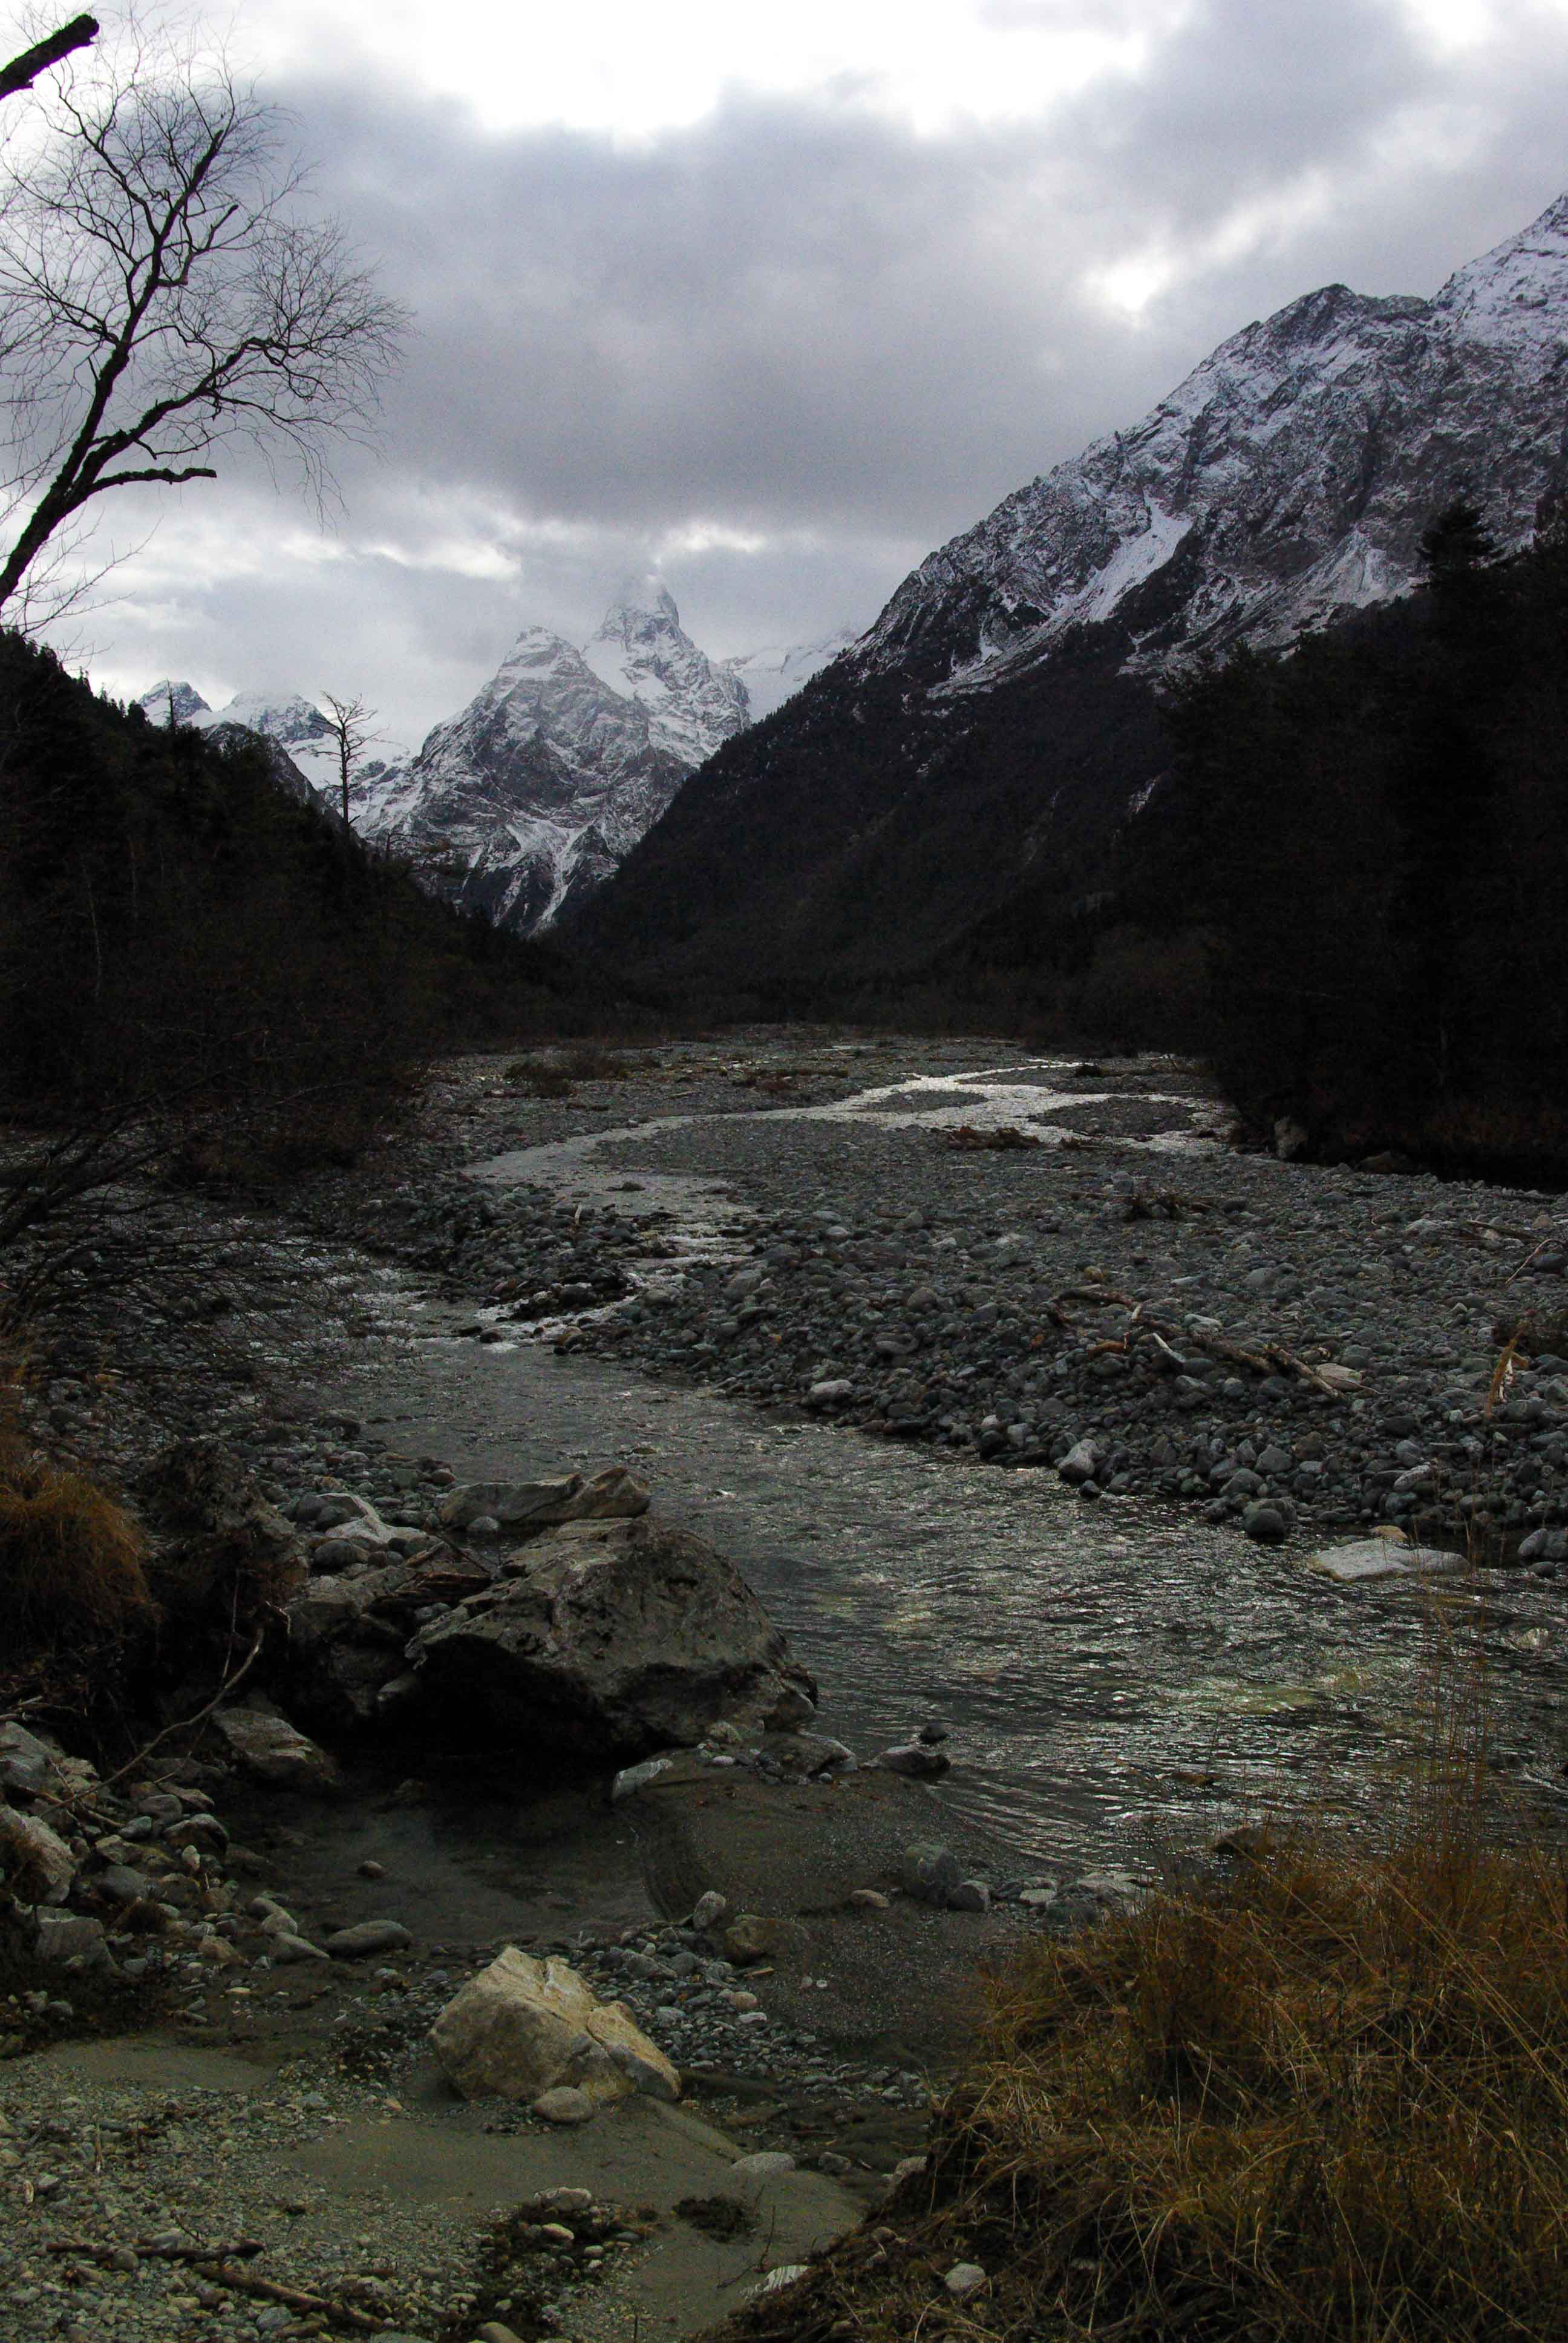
[[185, 1724]]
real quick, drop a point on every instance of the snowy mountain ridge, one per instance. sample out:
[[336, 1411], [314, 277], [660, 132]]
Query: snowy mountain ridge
[[984, 742], [1290, 475]]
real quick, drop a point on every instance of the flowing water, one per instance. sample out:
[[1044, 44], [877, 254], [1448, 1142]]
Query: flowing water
[[1117, 1678]]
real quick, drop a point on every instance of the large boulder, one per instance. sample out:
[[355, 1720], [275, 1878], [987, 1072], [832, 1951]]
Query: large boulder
[[523, 2027], [347, 1638], [608, 1639], [36, 1866]]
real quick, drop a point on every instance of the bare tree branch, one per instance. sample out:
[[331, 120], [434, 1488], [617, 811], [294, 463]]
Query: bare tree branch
[[23, 71], [164, 293]]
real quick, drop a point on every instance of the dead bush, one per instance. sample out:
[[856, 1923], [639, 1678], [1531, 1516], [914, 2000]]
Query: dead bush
[[1322, 2100], [71, 1558]]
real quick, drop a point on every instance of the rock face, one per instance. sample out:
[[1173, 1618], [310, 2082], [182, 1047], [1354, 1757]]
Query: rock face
[[607, 1639], [1001, 702], [523, 2027]]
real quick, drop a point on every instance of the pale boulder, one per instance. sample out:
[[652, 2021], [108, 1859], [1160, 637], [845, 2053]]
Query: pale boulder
[[275, 1752], [37, 1865], [523, 2027]]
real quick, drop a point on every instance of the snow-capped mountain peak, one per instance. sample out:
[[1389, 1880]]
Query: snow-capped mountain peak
[[1516, 296], [771, 676], [172, 703], [563, 761], [641, 652]]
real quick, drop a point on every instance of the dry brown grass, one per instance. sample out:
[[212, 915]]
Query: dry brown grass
[[1323, 2101], [1327, 2099], [71, 1559]]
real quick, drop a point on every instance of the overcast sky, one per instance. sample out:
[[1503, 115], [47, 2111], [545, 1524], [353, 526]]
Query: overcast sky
[[775, 300]]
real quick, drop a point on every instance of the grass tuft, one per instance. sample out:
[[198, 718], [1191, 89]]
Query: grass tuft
[[71, 1558], [1322, 2100]]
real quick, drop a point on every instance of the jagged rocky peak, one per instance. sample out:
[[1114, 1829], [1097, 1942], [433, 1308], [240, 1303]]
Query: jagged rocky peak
[[641, 652], [1516, 296], [564, 759], [172, 703]]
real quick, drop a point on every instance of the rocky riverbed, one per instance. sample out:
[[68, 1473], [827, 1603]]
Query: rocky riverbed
[[850, 1307]]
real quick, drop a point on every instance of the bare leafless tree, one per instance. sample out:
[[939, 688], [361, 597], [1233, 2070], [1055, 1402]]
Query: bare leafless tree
[[349, 723], [23, 71], [165, 293]]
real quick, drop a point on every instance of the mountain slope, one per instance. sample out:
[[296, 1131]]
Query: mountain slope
[[995, 724]]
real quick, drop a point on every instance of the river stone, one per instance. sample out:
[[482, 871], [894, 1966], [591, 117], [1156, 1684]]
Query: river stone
[[611, 1496], [38, 1865], [271, 1750], [70, 1936], [564, 2104], [915, 1760], [369, 1936], [750, 1937], [1080, 1463], [1361, 1560], [964, 2279], [610, 1639], [121, 1885], [1265, 1524], [930, 1871], [522, 2027], [708, 1910], [286, 1948], [768, 2164]]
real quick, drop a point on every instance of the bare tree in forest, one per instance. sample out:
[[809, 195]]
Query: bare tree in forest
[[163, 296], [24, 71], [348, 721]]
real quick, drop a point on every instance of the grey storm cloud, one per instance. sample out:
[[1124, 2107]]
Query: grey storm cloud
[[795, 314], [830, 339]]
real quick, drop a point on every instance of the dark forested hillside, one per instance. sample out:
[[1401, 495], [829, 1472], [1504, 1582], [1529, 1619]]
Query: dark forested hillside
[[178, 932], [1371, 834]]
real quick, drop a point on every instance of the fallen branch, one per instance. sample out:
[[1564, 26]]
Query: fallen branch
[[1272, 1358], [145, 2250], [293, 2297]]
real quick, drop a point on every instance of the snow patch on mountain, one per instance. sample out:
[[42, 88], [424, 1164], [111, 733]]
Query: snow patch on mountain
[[773, 675]]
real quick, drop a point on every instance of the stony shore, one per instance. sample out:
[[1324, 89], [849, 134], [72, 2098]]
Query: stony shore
[[1229, 1342]]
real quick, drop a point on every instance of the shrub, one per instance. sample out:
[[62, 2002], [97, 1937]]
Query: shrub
[[1322, 2100], [71, 1558]]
